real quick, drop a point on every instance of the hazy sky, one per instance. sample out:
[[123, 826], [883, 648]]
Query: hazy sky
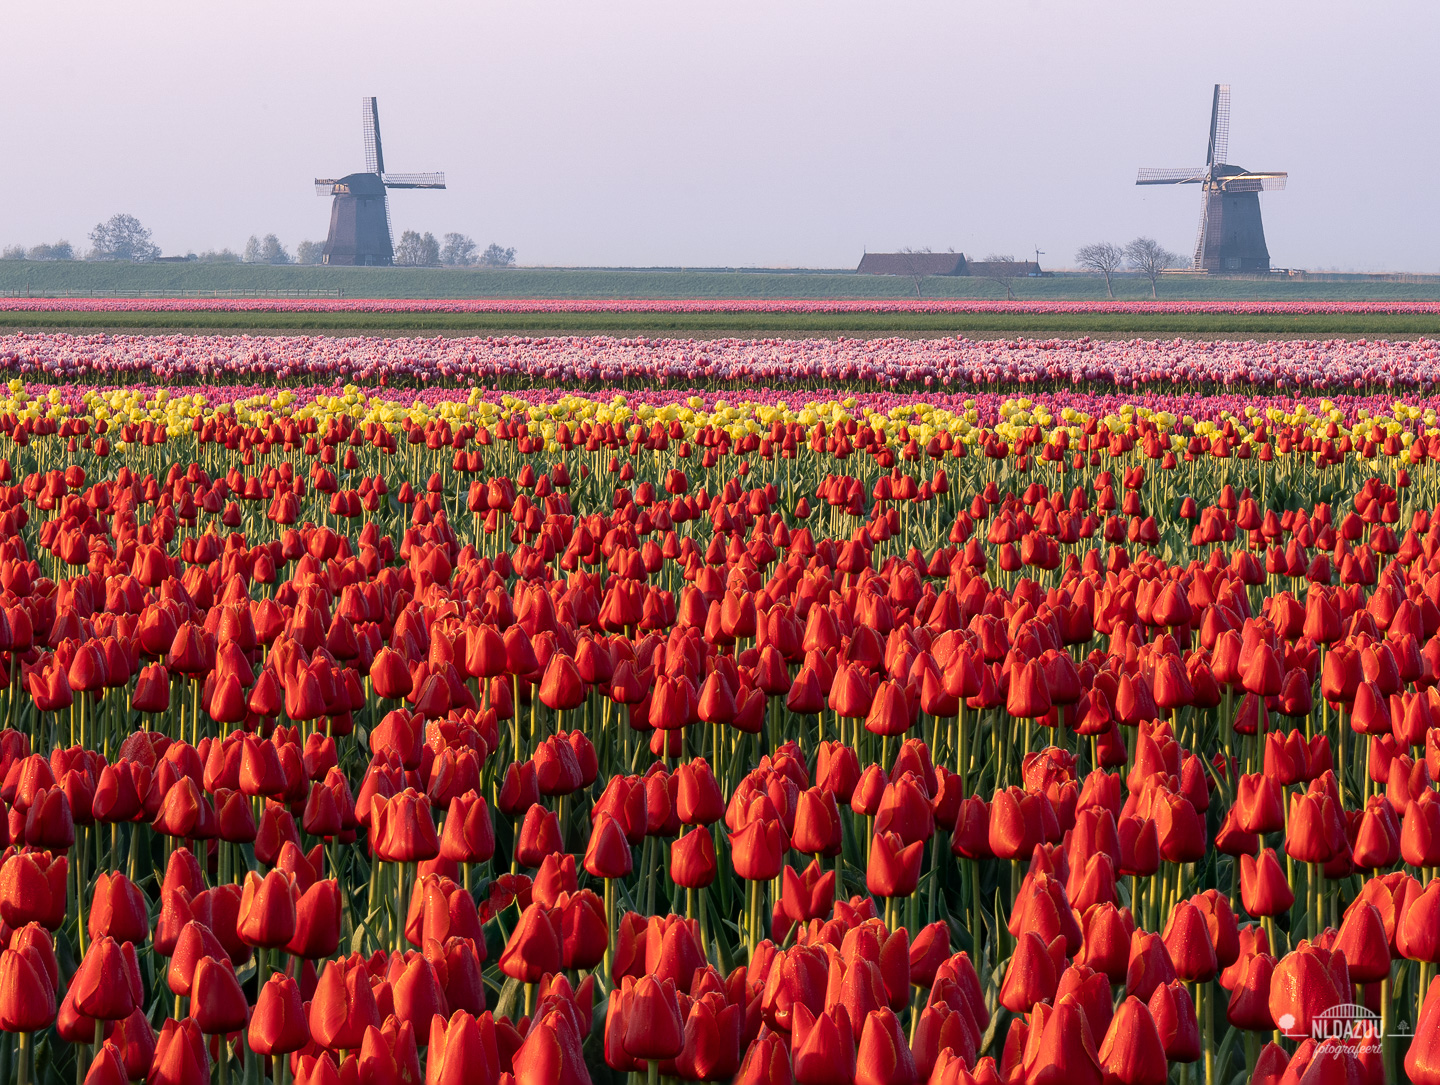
[[776, 133]]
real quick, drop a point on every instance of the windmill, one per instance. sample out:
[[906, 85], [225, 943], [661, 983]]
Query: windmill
[[1231, 237], [360, 213]]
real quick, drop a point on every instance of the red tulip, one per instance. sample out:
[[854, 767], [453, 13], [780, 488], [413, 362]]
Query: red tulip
[[267, 910], [117, 909], [692, 859], [1187, 940], [884, 1057], [459, 1052], [766, 1061], [27, 991], [758, 850], [402, 829], [180, 1055], [1305, 983], [107, 984], [1264, 889], [551, 1053], [1422, 1060], [608, 853], [807, 896], [278, 1025], [216, 1002], [534, 947], [1032, 973], [894, 867], [317, 921], [343, 1005], [1132, 1052]]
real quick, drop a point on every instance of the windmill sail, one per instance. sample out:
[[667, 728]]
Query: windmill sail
[[1219, 127], [370, 123]]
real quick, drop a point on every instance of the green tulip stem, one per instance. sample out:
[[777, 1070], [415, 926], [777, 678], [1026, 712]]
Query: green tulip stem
[[934, 877], [401, 907], [704, 922], [609, 929], [1387, 1049], [754, 917], [23, 1058], [652, 1072], [977, 926], [1207, 1002]]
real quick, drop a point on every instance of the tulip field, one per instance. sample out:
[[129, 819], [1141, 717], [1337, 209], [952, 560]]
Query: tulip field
[[548, 711]]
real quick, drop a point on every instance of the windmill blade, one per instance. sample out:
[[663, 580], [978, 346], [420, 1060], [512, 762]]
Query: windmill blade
[[1254, 182], [1219, 148], [370, 122], [413, 180], [1171, 176], [325, 186]]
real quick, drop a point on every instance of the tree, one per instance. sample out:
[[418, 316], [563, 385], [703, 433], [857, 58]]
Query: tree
[[1150, 258], [309, 252], [122, 238], [458, 251], [272, 252], [224, 256], [495, 256], [13, 252], [417, 250], [252, 254], [1104, 258], [915, 267], [1002, 270]]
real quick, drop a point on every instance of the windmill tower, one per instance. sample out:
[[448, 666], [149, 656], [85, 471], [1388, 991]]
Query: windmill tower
[[1231, 237], [360, 213]]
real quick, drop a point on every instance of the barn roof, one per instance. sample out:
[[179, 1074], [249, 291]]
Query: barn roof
[[912, 263]]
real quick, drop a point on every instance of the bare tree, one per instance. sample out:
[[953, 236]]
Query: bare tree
[[1150, 258], [1002, 270], [915, 267], [1104, 258]]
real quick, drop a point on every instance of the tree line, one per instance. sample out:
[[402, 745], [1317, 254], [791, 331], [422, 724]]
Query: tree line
[[123, 238]]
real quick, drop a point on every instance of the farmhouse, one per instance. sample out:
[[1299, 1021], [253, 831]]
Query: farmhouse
[[925, 264]]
